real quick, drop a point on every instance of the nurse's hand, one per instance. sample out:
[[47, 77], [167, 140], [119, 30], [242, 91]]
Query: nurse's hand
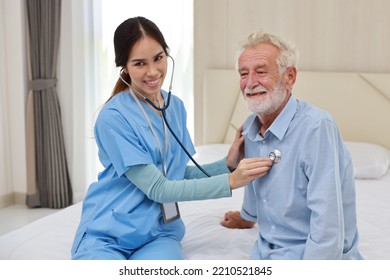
[[236, 151], [248, 170], [233, 219]]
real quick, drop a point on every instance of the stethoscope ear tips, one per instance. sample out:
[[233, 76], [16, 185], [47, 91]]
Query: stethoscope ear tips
[[275, 156]]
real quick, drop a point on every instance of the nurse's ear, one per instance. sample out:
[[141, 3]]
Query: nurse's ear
[[124, 74]]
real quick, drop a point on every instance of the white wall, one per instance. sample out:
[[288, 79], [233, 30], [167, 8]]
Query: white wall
[[331, 35], [12, 92], [6, 186]]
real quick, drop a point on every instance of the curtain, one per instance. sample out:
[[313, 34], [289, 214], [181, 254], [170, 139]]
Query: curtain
[[47, 172]]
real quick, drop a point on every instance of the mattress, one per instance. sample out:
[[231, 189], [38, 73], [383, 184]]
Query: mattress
[[51, 237]]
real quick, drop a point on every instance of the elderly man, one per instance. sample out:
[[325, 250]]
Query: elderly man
[[305, 206]]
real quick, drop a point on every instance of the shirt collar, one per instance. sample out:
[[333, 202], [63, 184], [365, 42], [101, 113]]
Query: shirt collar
[[278, 127]]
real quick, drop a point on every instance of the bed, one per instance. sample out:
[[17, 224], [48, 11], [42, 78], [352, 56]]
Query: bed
[[360, 104]]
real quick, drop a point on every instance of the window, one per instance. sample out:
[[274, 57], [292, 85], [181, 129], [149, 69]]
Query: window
[[175, 20]]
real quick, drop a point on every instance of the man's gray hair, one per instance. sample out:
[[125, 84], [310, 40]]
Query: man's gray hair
[[288, 54]]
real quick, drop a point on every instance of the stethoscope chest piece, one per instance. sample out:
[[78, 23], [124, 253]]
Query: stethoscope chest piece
[[275, 156]]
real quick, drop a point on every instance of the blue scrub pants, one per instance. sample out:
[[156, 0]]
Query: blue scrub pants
[[162, 248]]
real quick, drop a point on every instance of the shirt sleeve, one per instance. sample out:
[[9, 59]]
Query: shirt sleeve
[[158, 188], [249, 205], [325, 164]]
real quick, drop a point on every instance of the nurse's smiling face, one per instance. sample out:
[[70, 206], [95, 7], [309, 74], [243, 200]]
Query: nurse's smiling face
[[147, 67]]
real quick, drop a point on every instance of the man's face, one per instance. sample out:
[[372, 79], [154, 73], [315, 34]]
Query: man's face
[[261, 85]]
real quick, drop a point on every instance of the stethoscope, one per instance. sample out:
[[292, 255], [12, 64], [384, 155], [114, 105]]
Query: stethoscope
[[275, 156], [163, 111]]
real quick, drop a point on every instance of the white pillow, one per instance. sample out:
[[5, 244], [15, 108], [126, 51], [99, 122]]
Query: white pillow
[[370, 161]]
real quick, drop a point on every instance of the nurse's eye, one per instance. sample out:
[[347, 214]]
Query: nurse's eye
[[139, 63], [157, 58]]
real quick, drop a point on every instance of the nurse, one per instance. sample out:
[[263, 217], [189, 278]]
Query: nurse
[[131, 211]]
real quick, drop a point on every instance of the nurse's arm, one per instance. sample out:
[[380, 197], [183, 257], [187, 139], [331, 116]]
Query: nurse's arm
[[149, 179]]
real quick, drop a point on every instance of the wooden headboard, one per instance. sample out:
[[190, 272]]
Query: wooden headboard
[[359, 103]]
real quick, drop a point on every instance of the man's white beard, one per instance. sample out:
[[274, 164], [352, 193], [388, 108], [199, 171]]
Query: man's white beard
[[272, 102]]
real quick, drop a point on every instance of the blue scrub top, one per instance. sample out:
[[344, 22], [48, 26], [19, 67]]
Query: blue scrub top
[[114, 207]]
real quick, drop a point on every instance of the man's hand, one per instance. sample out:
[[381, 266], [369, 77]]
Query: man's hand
[[233, 220]]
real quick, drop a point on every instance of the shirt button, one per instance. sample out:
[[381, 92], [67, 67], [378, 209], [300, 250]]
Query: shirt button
[[273, 227], [263, 141], [264, 200]]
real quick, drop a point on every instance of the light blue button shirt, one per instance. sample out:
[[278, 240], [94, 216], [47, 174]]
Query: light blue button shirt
[[305, 205]]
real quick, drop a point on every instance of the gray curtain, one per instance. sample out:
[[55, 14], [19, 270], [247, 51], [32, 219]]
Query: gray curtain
[[48, 178]]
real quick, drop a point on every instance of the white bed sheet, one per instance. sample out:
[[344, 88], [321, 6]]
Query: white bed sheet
[[51, 237], [373, 210]]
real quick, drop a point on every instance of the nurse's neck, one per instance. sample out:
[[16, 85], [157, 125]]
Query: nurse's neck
[[157, 100]]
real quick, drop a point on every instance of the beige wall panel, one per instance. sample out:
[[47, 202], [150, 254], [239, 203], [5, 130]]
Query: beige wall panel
[[331, 35], [210, 47]]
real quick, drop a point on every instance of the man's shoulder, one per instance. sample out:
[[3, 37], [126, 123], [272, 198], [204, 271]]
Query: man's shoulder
[[311, 111]]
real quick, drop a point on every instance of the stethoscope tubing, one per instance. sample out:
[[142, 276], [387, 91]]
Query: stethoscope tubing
[[182, 146], [163, 111]]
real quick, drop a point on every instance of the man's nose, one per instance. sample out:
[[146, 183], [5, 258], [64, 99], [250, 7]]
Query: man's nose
[[252, 81]]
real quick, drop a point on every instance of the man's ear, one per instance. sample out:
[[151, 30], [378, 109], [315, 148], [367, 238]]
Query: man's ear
[[290, 76]]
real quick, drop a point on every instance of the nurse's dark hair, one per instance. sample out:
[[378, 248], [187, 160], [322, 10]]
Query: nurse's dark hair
[[126, 35]]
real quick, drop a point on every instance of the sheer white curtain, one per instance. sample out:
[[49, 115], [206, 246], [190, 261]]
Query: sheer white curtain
[[175, 20]]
